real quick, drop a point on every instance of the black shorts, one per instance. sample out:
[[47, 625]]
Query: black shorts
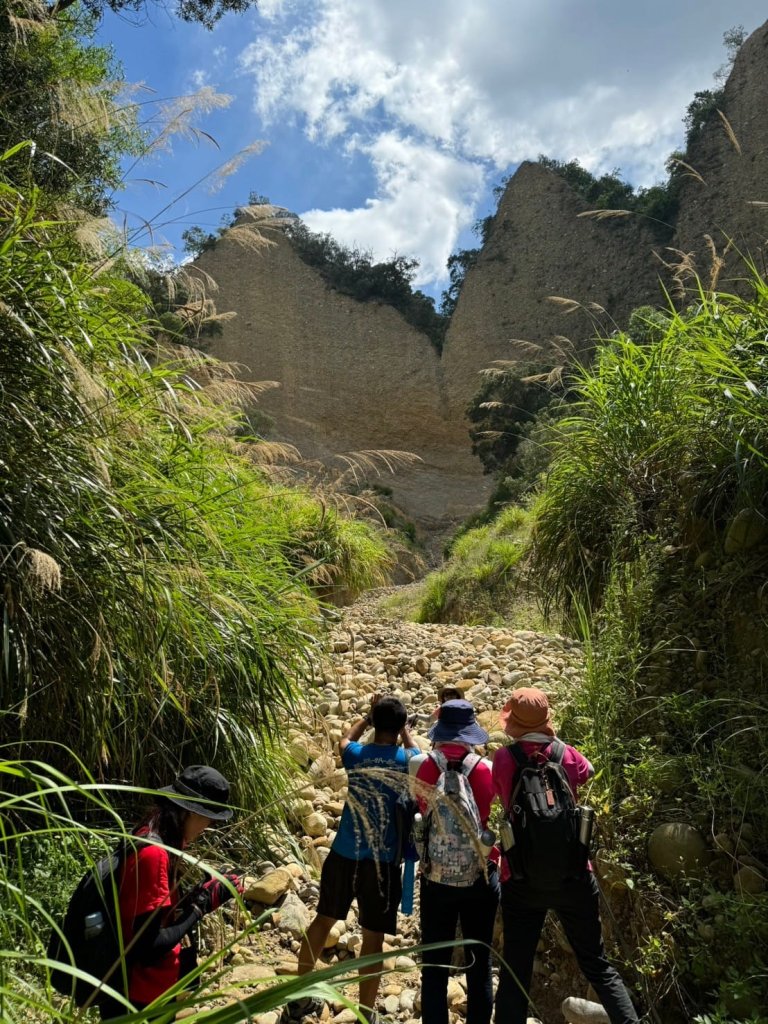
[[376, 886]]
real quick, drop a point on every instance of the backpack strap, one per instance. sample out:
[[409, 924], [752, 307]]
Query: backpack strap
[[415, 763], [469, 763], [440, 759], [556, 751], [519, 754]]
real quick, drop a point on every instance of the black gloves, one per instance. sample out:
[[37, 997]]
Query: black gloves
[[210, 895]]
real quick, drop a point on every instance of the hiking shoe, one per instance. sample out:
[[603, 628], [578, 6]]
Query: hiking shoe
[[299, 1009]]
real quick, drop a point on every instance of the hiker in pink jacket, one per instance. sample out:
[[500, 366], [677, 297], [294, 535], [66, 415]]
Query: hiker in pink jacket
[[527, 894]]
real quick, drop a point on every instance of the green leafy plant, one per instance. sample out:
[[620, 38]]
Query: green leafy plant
[[484, 578], [156, 582], [649, 534]]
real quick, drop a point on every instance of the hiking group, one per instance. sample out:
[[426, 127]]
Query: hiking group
[[541, 863]]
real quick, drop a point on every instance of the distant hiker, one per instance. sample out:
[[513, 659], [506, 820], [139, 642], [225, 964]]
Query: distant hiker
[[154, 919], [459, 881], [363, 862], [545, 866], [447, 692]]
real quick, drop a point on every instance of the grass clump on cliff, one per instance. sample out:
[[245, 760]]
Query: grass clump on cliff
[[652, 533], [483, 579]]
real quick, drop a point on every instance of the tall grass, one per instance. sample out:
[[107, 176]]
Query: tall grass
[[666, 439], [654, 518], [156, 586]]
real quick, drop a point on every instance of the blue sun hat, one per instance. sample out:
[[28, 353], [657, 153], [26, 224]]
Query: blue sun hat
[[456, 724]]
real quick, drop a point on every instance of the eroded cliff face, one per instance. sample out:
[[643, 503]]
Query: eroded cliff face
[[735, 174], [540, 247], [353, 376], [356, 376]]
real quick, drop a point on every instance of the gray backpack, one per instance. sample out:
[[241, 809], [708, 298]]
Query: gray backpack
[[451, 853]]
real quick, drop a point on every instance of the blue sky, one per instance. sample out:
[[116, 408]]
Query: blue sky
[[387, 122]]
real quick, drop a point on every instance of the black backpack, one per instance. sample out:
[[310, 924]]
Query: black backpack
[[89, 938], [545, 820]]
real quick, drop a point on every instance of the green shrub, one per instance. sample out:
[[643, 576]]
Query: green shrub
[[651, 532], [482, 580], [155, 583]]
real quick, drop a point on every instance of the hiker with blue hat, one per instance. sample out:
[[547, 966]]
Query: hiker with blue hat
[[458, 860]]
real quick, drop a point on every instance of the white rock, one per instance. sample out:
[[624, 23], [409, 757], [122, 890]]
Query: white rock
[[582, 1011], [267, 1018], [407, 1000], [293, 916], [405, 963]]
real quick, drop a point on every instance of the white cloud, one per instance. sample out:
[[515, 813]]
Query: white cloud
[[458, 88], [427, 197]]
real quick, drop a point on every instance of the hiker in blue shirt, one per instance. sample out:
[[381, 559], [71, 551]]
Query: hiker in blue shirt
[[363, 862]]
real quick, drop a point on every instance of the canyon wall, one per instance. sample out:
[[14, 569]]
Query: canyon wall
[[732, 162], [353, 376], [356, 376], [539, 247]]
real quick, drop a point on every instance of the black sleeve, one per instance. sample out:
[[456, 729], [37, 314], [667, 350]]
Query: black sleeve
[[152, 941]]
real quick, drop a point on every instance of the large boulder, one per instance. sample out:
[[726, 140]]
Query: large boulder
[[294, 917], [270, 888], [749, 880], [676, 848], [746, 530]]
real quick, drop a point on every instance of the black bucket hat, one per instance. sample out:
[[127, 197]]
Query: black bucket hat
[[202, 790], [456, 724]]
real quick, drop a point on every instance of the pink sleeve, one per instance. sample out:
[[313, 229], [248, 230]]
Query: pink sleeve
[[502, 776], [427, 774], [578, 767], [481, 781]]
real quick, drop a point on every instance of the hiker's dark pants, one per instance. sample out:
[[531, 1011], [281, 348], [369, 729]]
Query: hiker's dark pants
[[523, 911], [111, 1008], [441, 908]]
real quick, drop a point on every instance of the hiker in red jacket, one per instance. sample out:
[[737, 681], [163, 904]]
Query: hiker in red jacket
[[154, 920], [525, 899]]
